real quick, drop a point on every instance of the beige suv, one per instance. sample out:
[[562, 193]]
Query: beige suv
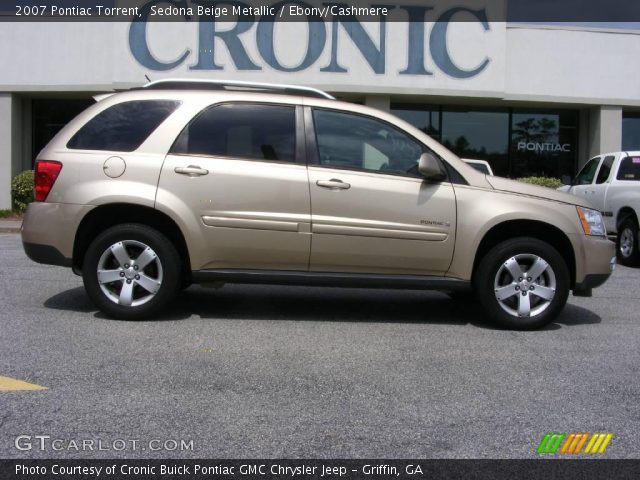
[[177, 182]]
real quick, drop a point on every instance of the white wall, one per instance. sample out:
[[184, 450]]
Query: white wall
[[576, 66], [526, 63]]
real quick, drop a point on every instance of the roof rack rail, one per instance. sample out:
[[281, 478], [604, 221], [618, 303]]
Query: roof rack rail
[[194, 84]]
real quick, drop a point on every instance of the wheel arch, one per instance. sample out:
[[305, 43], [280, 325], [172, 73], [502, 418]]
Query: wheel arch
[[623, 214], [528, 228], [106, 216]]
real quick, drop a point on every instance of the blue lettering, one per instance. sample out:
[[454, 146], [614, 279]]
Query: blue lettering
[[375, 57], [415, 45], [438, 44], [138, 39], [207, 34], [317, 37]]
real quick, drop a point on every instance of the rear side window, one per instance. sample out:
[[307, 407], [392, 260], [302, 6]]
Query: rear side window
[[122, 127], [605, 169], [629, 169], [250, 131]]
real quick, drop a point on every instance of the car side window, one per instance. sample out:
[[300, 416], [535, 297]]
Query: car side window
[[588, 172], [629, 169], [241, 130], [354, 141], [605, 169], [122, 127]]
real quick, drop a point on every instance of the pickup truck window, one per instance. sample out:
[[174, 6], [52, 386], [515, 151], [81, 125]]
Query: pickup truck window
[[585, 177], [605, 169], [629, 169]]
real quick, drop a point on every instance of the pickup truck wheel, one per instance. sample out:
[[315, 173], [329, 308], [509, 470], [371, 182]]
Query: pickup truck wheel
[[131, 271], [627, 243], [522, 284]]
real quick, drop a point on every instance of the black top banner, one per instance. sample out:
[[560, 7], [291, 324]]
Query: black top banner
[[601, 13], [335, 469]]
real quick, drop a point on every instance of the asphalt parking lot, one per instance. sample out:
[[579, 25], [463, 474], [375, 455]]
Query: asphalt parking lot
[[253, 371]]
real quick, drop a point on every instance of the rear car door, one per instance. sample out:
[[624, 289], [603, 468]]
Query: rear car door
[[372, 212], [237, 170]]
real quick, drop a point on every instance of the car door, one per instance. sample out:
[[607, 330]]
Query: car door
[[372, 212], [236, 175], [601, 183], [582, 184]]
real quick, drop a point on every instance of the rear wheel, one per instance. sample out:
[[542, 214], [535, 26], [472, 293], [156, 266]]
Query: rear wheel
[[522, 283], [627, 243], [131, 271]]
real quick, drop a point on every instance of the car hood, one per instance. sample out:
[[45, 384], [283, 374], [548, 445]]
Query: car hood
[[512, 186]]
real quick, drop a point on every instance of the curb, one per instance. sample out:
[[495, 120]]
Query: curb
[[10, 226]]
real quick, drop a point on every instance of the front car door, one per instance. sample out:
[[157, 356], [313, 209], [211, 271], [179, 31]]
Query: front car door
[[238, 173], [372, 212], [599, 189], [582, 184]]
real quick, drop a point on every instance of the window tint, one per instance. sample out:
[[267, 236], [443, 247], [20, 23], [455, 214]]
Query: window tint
[[353, 141], [629, 169], [587, 173], [605, 169], [261, 132], [122, 127], [481, 167]]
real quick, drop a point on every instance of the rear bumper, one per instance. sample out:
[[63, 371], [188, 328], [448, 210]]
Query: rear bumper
[[46, 254], [49, 229]]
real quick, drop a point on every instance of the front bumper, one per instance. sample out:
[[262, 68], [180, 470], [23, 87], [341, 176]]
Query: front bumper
[[596, 260]]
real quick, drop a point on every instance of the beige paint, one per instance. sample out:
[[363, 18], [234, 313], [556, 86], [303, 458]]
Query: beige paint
[[273, 215]]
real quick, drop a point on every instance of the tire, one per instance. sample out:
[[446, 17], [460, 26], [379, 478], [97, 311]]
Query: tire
[[546, 289], [126, 289], [627, 243]]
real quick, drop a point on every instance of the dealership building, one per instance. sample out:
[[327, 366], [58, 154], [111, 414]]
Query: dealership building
[[533, 100]]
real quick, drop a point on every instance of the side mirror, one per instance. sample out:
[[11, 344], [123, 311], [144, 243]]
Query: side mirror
[[566, 180], [429, 167]]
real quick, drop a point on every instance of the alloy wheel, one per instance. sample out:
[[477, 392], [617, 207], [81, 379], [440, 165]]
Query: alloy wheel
[[129, 273], [525, 285]]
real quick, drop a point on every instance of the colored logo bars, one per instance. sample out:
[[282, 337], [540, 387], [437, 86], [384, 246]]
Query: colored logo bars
[[555, 442]]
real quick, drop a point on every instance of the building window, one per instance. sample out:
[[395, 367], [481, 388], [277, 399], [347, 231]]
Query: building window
[[423, 117], [49, 116], [478, 134], [515, 142], [543, 143], [631, 131]]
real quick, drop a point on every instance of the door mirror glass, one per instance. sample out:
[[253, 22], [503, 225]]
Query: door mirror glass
[[429, 167]]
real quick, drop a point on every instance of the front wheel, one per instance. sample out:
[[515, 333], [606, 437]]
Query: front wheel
[[131, 271], [522, 284], [627, 243]]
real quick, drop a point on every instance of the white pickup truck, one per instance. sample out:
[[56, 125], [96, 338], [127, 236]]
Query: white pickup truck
[[611, 182]]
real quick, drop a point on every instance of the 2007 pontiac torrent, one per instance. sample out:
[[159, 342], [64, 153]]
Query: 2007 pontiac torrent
[[180, 182]]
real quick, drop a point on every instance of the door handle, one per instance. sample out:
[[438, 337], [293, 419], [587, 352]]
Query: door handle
[[333, 184], [191, 170]]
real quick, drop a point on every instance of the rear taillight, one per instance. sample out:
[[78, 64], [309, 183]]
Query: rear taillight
[[45, 176]]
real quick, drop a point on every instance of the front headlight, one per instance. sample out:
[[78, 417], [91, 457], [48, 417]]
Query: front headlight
[[591, 220]]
